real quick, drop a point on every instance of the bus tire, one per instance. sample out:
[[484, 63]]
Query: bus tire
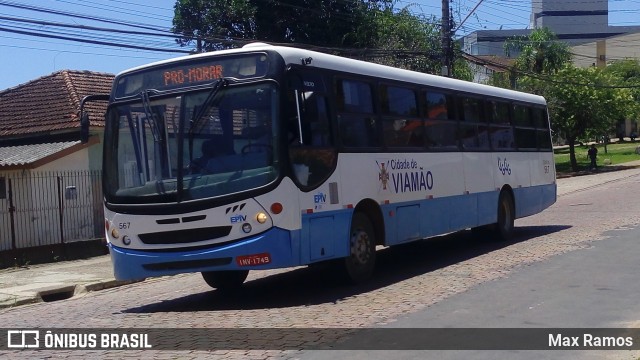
[[231, 279], [360, 263], [506, 217]]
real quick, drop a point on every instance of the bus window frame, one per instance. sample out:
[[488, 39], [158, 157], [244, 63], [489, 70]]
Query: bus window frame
[[451, 118], [489, 103], [373, 116], [526, 128], [483, 120], [293, 78], [386, 118]]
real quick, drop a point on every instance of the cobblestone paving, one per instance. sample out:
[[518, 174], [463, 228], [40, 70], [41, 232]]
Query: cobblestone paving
[[409, 278]]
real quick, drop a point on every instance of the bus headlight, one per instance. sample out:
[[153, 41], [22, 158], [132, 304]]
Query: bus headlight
[[114, 233], [246, 227], [261, 217]]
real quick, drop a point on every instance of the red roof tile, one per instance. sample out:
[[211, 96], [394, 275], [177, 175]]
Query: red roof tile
[[51, 103]]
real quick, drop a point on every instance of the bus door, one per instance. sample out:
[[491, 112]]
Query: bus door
[[313, 158], [312, 153]]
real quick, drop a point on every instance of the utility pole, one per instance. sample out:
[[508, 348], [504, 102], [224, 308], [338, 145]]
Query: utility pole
[[447, 50], [199, 45]]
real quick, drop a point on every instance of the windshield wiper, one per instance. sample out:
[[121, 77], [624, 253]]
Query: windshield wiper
[[150, 117], [195, 121]]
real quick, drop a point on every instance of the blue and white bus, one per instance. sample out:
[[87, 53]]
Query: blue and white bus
[[270, 157]]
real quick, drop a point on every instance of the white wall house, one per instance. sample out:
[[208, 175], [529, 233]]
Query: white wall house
[[50, 192]]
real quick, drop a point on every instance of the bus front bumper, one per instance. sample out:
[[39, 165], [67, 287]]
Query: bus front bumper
[[272, 249]]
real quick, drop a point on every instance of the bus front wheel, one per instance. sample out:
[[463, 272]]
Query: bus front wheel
[[232, 279], [360, 263]]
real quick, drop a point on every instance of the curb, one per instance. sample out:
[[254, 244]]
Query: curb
[[102, 285], [19, 302], [62, 292], [600, 170]]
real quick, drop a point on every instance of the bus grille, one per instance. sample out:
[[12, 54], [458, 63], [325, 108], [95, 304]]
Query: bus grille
[[185, 236], [185, 265]]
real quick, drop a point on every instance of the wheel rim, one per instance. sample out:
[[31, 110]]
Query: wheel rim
[[360, 246]]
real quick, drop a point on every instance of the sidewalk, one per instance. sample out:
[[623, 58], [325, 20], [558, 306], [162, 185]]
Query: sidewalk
[[62, 280], [55, 281]]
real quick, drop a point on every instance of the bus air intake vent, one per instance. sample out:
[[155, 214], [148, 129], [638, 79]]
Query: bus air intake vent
[[185, 236], [235, 208]]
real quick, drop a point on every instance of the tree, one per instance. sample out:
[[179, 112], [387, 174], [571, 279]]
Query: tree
[[584, 102], [400, 40], [628, 71], [218, 24], [371, 30], [213, 25], [540, 52]]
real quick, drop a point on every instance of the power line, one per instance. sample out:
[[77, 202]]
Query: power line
[[129, 55], [77, 15], [106, 43], [545, 78], [85, 27]]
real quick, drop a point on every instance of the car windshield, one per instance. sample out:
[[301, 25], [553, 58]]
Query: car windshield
[[192, 145]]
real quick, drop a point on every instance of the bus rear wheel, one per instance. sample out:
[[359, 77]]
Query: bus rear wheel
[[360, 263], [231, 279], [502, 230], [506, 217]]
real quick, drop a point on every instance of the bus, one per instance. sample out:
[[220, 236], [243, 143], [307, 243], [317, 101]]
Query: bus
[[267, 157]]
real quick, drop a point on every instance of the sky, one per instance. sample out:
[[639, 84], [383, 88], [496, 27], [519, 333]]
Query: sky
[[25, 57]]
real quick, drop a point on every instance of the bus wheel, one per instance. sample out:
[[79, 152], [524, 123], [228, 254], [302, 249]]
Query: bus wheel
[[232, 279], [360, 263], [506, 217]]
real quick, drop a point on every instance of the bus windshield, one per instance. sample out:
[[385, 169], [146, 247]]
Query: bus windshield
[[192, 145]]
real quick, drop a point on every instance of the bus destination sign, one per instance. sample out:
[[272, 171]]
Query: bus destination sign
[[192, 75], [191, 72]]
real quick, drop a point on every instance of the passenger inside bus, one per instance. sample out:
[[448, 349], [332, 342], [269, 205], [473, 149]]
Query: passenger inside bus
[[211, 148]]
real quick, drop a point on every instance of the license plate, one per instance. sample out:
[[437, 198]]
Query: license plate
[[253, 260]]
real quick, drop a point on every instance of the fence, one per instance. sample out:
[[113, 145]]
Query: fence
[[50, 208]]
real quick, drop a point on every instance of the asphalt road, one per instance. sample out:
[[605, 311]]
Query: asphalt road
[[591, 288]]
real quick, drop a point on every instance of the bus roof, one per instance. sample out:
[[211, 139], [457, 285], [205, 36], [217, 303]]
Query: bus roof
[[293, 55]]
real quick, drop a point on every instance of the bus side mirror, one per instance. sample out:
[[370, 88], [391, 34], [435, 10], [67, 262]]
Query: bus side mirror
[[84, 115], [84, 127]]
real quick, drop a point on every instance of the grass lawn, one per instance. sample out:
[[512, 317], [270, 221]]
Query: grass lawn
[[618, 153]]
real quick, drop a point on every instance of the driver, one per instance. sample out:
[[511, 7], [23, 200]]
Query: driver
[[199, 165], [210, 149]]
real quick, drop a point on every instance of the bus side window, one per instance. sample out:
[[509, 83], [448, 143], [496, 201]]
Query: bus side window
[[501, 131], [525, 133], [440, 125], [318, 130], [400, 122], [357, 124], [470, 116], [543, 132]]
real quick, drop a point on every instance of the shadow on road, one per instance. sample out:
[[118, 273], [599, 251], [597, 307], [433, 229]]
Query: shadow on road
[[322, 284]]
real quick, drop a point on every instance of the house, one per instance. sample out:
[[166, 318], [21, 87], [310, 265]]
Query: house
[[483, 67], [50, 190]]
